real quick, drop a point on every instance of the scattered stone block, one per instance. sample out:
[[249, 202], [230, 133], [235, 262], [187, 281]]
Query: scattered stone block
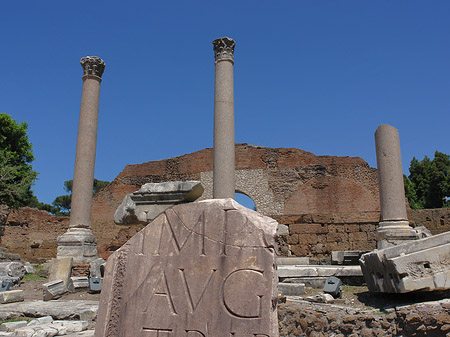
[[333, 286], [29, 269], [41, 320], [61, 269], [316, 282], [95, 267], [78, 282], [24, 332], [199, 269], [318, 270], [291, 289], [13, 271], [11, 326], [54, 290], [72, 326], [152, 199], [11, 296], [283, 229], [348, 257], [422, 264], [320, 298]]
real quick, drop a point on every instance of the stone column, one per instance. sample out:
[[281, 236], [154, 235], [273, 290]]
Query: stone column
[[394, 226], [79, 242], [224, 156]]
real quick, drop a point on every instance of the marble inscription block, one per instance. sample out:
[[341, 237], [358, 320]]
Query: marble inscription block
[[204, 269]]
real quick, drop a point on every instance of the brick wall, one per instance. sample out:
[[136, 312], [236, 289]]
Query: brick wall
[[318, 235]]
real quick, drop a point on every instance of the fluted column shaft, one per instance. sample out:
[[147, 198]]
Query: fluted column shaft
[[394, 226], [224, 151]]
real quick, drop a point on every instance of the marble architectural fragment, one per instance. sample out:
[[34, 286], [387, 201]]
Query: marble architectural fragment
[[422, 264], [199, 269], [152, 199]]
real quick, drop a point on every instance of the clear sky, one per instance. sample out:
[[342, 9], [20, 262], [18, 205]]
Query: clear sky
[[315, 75]]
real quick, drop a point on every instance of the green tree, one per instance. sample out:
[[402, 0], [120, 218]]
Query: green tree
[[63, 201], [16, 154], [430, 181]]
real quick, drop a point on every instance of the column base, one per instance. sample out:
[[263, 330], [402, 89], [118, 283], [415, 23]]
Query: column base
[[78, 243], [392, 233]]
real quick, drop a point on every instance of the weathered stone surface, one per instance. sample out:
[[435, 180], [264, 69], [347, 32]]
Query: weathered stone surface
[[95, 268], [53, 290], [417, 265], [303, 260], [13, 271], [199, 269], [11, 296], [313, 271], [11, 326], [78, 243], [61, 310], [78, 282], [60, 269], [291, 289], [152, 199], [346, 256]]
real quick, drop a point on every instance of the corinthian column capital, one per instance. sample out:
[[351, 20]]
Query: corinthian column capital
[[224, 49], [93, 67]]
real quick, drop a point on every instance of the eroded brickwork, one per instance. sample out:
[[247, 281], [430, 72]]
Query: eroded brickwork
[[329, 203]]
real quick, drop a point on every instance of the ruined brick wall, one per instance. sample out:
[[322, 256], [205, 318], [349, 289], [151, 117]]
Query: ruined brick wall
[[436, 220], [32, 234], [280, 181], [317, 235], [329, 203]]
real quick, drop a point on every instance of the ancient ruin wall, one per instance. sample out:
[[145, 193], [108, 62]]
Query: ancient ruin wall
[[280, 181], [32, 234], [329, 203]]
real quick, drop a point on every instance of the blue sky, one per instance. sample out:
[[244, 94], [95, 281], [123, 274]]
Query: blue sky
[[315, 75]]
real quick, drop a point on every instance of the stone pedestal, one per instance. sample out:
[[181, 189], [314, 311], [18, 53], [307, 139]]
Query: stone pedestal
[[79, 242], [394, 226], [224, 153]]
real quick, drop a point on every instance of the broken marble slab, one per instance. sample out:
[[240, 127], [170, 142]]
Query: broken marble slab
[[13, 271], [60, 310], [53, 290], [199, 269], [11, 296], [152, 199], [422, 264]]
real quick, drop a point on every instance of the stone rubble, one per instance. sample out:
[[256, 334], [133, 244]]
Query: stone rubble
[[43, 327], [422, 264]]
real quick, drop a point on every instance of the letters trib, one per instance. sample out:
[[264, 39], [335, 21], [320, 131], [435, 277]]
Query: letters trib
[[203, 269]]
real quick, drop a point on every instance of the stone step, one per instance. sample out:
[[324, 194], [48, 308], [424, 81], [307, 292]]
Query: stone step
[[291, 289], [318, 271]]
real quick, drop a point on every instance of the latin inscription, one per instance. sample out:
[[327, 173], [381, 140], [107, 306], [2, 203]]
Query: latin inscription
[[156, 332], [200, 271]]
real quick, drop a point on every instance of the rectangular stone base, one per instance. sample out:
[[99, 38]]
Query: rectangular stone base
[[422, 264]]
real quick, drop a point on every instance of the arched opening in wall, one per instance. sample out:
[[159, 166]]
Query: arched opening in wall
[[245, 200]]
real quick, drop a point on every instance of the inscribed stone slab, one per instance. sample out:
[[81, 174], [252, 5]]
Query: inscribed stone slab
[[203, 269]]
